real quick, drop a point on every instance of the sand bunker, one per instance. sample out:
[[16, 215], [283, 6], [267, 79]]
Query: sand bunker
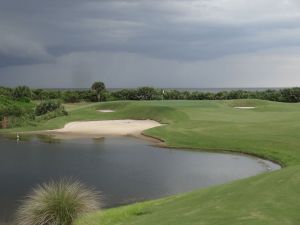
[[105, 110], [104, 128], [243, 107]]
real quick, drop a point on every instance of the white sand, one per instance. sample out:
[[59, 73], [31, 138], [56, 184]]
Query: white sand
[[105, 110], [105, 128], [248, 107]]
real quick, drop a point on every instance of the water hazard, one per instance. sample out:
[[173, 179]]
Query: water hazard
[[124, 169]]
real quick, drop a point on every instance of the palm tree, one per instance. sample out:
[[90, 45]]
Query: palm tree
[[99, 87]]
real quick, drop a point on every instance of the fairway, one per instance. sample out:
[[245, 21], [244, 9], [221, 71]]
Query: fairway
[[271, 130]]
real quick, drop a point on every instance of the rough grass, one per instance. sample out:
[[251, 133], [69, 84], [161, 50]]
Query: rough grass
[[7, 102], [271, 130], [57, 203]]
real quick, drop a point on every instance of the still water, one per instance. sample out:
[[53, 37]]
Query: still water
[[124, 169]]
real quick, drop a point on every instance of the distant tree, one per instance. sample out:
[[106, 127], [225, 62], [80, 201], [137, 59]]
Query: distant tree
[[269, 94], [146, 93], [21, 92], [173, 95], [290, 94], [54, 94], [71, 97], [5, 91], [48, 106], [40, 94], [99, 88], [237, 94], [125, 94], [88, 96]]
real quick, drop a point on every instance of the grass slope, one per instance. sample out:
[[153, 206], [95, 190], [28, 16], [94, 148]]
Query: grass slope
[[7, 103], [272, 130]]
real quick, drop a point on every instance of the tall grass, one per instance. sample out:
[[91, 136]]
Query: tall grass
[[57, 203]]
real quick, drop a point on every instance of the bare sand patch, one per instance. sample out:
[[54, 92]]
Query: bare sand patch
[[105, 110], [245, 107], [96, 129]]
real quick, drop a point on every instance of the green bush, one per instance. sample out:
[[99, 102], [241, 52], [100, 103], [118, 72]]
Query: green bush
[[22, 92], [20, 121], [53, 114], [57, 203], [71, 97], [9, 107], [47, 106], [5, 91], [20, 113]]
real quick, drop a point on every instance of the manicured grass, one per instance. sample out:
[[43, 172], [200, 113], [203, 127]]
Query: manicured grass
[[271, 130]]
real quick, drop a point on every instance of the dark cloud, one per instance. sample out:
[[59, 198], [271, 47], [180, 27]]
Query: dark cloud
[[37, 32]]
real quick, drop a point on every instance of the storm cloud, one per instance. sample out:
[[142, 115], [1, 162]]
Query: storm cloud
[[166, 43]]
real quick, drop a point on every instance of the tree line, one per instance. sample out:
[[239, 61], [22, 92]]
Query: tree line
[[24, 106], [98, 92]]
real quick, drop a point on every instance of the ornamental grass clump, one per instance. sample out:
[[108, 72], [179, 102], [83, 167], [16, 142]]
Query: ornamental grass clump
[[57, 203]]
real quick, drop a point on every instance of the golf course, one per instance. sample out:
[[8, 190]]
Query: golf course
[[270, 130], [130, 112]]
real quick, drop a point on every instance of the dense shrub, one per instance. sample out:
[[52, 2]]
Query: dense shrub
[[290, 95], [15, 113], [5, 91], [22, 92], [18, 113], [147, 93], [9, 107], [40, 94], [142, 93], [48, 106], [53, 114], [71, 97], [57, 203], [88, 96], [20, 121], [125, 94]]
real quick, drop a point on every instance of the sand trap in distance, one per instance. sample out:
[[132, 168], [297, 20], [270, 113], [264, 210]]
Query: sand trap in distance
[[105, 110], [245, 107]]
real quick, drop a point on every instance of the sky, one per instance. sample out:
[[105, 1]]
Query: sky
[[160, 43]]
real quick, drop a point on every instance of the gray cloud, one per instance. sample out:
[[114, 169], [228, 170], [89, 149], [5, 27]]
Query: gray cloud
[[266, 69], [43, 35]]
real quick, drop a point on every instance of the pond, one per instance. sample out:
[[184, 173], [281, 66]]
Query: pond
[[124, 169]]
